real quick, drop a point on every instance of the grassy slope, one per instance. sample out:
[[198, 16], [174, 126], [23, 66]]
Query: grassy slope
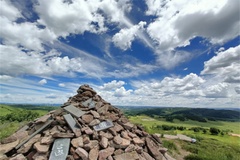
[[208, 147], [223, 125], [7, 128]]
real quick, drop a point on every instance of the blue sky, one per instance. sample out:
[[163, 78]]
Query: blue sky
[[136, 53]]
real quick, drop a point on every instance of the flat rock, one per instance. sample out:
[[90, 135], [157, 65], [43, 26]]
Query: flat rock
[[103, 110], [128, 125], [41, 148], [18, 157], [118, 139], [125, 156], [94, 122], [103, 154], [95, 114], [4, 148], [138, 141], [93, 154], [43, 119], [153, 149], [77, 142], [104, 142], [47, 140], [82, 153], [9, 139], [87, 118], [147, 156], [27, 146]]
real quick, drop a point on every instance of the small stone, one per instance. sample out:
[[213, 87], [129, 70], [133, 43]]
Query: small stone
[[47, 140], [118, 151], [103, 154], [130, 148], [86, 140], [43, 119], [130, 155], [103, 110], [90, 145], [94, 122], [128, 125], [147, 156], [138, 141], [9, 139], [18, 157], [163, 150], [95, 114], [27, 146], [118, 139], [82, 153], [104, 142], [4, 148], [41, 148], [87, 118], [124, 134], [125, 143], [93, 154], [153, 148], [77, 142], [40, 156], [89, 131], [87, 94]]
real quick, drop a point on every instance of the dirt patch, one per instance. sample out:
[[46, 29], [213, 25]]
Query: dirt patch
[[234, 134]]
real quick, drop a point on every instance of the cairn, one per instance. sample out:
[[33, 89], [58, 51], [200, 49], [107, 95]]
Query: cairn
[[86, 127]]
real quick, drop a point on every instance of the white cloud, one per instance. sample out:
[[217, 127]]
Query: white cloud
[[224, 65], [123, 39], [61, 85], [8, 11], [43, 81], [33, 63], [178, 21], [217, 91], [170, 59], [121, 92], [113, 85], [5, 77]]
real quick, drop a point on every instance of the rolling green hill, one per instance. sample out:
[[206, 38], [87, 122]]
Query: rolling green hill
[[182, 114]]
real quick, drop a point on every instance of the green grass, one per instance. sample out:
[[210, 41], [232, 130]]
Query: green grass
[[222, 125], [7, 127], [208, 147], [5, 109], [148, 122]]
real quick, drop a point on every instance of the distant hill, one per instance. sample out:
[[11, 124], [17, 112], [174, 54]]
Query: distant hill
[[197, 114]]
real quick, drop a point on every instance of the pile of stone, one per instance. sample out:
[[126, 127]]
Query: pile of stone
[[86, 127]]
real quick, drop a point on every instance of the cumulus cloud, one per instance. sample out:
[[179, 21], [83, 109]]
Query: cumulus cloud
[[43, 81], [113, 85], [121, 92], [32, 63], [26, 34], [123, 39], [217, 91], [224, 65], [9, 11], [178, 21]]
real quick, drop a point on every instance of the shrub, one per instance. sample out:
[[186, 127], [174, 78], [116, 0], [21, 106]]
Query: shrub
[[214, 131]]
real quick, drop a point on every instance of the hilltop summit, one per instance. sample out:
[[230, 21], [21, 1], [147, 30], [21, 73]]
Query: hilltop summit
[[85, 127]]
